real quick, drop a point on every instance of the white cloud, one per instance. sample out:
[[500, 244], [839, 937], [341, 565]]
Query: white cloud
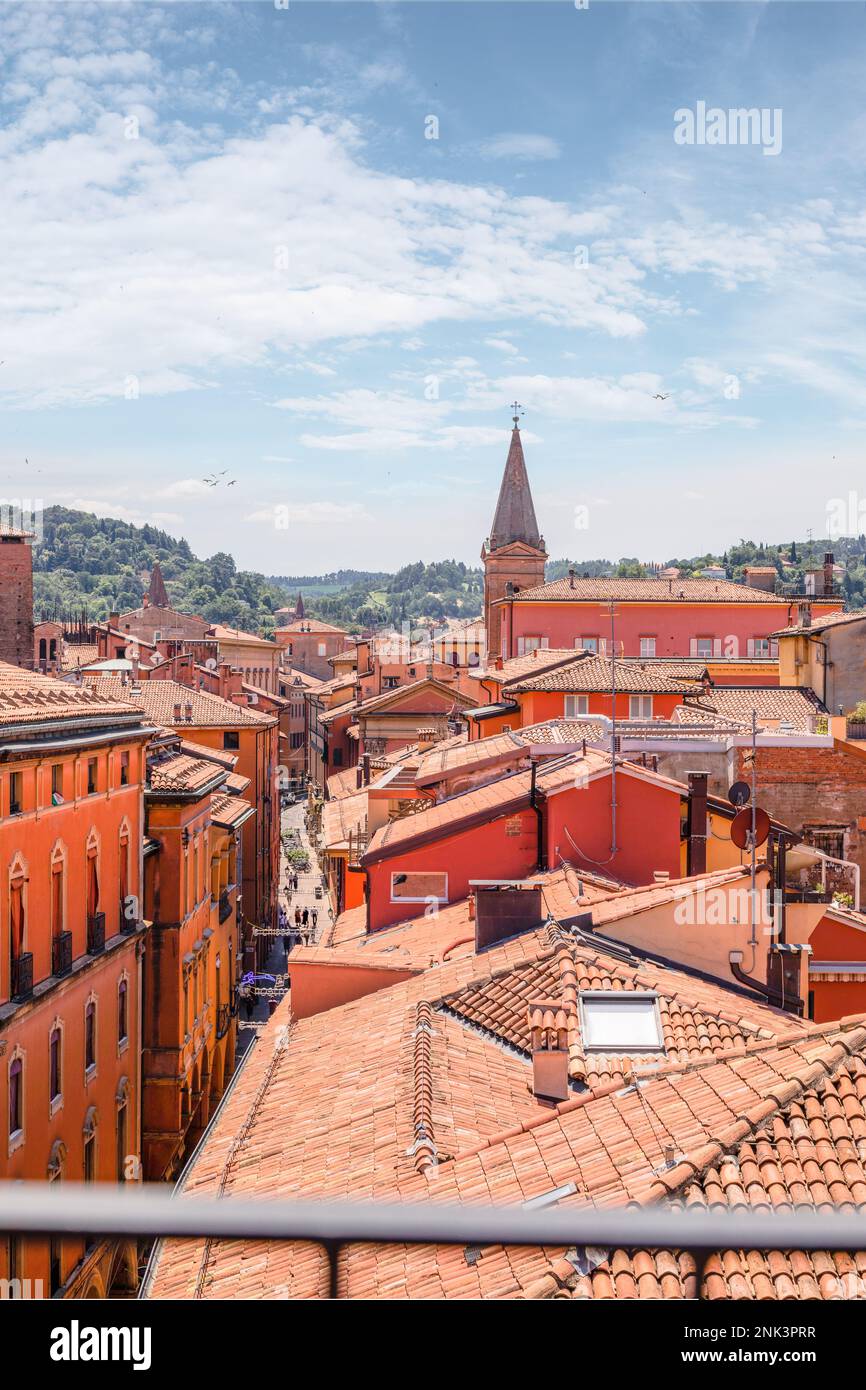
[[521, 146]]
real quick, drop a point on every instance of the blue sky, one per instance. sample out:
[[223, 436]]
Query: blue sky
[[231, 249]]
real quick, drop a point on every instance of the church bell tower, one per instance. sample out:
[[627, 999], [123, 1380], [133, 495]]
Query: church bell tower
[[514, 552]]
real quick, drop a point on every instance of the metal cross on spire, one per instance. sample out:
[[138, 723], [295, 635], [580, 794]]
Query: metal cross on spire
[[518, 411]]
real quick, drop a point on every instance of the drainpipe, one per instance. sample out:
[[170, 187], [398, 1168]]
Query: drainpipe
[[534, 803]]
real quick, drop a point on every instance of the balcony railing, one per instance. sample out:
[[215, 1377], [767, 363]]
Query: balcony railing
[[41, 1209], [96, 932], [61, 953], [22, 975], [225, 908]]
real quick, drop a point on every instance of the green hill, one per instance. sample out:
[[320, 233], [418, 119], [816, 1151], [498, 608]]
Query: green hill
[[94, 565]]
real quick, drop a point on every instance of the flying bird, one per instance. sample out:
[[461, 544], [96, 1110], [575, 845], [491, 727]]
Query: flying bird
[[659, 397]]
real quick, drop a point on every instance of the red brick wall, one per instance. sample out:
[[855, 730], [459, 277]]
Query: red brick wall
[[815, 786], [16, 602]]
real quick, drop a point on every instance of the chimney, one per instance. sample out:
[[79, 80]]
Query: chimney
[[426, 739], [696, 859], [548, 1034], [188, 711], [571, 579], [176, 715], [505, 909], [114, 620], [498, 663], [145, 602], [365, 764], [828, 573]]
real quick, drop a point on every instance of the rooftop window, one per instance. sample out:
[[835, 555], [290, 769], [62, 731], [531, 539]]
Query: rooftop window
[[620, 1022]]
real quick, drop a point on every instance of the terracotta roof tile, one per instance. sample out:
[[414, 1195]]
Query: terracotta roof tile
[[28, 697], [603, 590], [596, 673]]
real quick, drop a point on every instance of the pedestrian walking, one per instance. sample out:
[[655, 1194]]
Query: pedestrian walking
[[295, 882], [297, 919], [305, 916], [315, 916], [246, 994]]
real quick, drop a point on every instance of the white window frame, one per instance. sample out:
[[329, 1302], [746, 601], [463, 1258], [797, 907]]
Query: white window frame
[[589, 644], [580, 706], [623, 999], [647, 642], [426, 897], [705, 656], [640, 701]]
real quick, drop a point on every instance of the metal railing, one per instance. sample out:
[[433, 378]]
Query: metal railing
[[96, 933], [22, 975], [68, 1210], [61, 953]]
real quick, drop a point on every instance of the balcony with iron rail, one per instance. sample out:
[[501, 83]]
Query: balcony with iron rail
[[95, 933], [73, 1209], [61, 953], [22, 976]]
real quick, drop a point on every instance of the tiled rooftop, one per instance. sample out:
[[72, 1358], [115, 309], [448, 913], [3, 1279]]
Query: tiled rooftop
[[516, 666], [229, 811], [158, 698], [797, 705], [182, 773], [423, 1090], [820, 622], [602, 590], [597, 673], [28, 697], [344, 818]]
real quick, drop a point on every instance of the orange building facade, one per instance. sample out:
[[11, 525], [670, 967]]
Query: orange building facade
[[193, 868], [72, 941]]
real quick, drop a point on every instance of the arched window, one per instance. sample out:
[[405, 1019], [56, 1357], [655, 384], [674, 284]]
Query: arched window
[[55, 1065], [43, 649], [123, 1010], [123, 876], [90, 1035], [122, 1129], [56, 1165], [92, 874], [58, 891], [89, 1138], [17, 911], [16, 1095]]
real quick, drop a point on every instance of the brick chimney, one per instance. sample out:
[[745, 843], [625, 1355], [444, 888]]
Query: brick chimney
[[188, 711], [176, 713], [828, 572], [548, 1035]]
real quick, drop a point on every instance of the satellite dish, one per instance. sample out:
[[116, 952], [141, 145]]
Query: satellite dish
[[739, 794], [211, 663], [131, 652], [741, 827]]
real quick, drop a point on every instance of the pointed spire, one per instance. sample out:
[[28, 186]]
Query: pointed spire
[[515, 513], [299, 607], [157, 592]]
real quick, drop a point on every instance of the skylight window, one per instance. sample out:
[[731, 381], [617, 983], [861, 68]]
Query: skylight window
[[620, 1022]]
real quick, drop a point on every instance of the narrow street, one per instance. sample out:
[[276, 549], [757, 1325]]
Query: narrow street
[[305, 897]]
